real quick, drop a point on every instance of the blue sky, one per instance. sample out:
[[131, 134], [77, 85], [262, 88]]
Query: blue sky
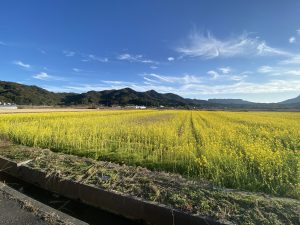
[[198, 49]]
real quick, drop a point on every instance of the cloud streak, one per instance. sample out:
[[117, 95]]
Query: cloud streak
[[278, 71], [292, 39], [21, 64], [273, 86], [92, 57], [69, 53], [291, 60], [135, 58], [225, 70], [225, 75], [209, 47], [184, 79], [46, 77], [77, 70]]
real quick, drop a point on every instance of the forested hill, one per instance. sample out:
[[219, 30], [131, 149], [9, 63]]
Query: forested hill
[[25, 95], [33, 95]]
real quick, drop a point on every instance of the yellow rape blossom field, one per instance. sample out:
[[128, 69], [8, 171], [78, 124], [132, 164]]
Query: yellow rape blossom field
[[254, 151]]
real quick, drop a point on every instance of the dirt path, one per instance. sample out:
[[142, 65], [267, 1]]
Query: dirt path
[[9, 111]]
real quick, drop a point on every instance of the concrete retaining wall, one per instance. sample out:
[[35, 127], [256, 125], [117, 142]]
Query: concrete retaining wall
[[126, 206]]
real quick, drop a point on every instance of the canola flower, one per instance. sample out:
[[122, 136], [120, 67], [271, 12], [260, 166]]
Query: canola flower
[[255, 151]]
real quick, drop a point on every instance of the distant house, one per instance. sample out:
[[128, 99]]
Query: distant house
[[8, 105], [140, 107]]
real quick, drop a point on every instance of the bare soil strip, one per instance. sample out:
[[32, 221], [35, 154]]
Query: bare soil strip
[[42, 110]]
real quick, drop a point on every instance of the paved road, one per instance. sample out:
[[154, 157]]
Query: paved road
[[12, 214]]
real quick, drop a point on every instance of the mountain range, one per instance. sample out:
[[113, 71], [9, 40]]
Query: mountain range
[[291, 101], [21, 94]]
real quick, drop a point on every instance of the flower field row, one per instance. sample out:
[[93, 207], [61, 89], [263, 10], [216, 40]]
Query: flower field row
[[256, 151]]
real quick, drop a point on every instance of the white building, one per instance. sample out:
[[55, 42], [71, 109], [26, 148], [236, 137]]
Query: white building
[[140, 107], [8, 105]]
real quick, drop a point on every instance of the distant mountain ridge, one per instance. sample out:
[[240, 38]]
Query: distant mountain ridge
[[230, 101], [33, 95], [291, 101]]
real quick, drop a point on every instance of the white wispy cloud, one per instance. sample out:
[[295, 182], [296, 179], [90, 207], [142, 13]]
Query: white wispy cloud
[[193, 79], [2, 43], [153, 67], [265, 69], [69, 53], [184, 79], [278, 71], [225, 70], [117, 82], [298, 31], [207, 46], [42, 76], [291, 60], [292, 39], [46, 77], [264, 50], [92, 57], [170, 59], [169, 79], [96, 58], [76, 70], [21, 64], [151, 81], [293, 72], [241, 87], [238, 77], [226, 75], [135, 58]]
